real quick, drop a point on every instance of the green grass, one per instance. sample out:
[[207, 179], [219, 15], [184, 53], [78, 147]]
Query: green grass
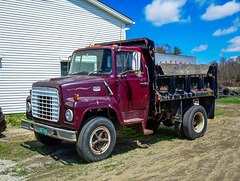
[[15, 171], [229, 100], [130, 132], [14, 150], [15, 119], [163, 134], [223, 112], [226, 113]]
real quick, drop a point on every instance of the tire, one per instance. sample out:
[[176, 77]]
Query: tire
[[226, 91], [153, 125], [195, 122], [96, 140], [168, 123], [178, 126], [46, 140], [3, 123]]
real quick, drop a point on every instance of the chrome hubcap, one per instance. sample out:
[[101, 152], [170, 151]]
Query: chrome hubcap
[[100, 140]]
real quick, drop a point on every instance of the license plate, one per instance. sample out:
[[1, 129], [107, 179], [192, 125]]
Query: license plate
[[43, 131]]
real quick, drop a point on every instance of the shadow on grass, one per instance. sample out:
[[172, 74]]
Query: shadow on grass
[[2, 135], [127, 140], [65, 152]]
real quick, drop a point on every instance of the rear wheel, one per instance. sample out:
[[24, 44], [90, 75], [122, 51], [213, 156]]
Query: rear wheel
[[46, 140], [153, 125], [179, 129], [3, 124], [168, 123], [97, 139], [195, 122]]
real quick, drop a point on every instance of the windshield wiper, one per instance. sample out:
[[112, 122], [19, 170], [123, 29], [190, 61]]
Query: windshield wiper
[[96, 71], [81, 72]]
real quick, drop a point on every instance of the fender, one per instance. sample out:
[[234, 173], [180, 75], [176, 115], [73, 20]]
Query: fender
[[86, 104]]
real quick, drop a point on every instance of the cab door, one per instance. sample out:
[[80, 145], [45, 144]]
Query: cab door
[[133, 89]]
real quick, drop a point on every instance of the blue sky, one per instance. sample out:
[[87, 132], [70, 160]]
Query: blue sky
[[207, 29]]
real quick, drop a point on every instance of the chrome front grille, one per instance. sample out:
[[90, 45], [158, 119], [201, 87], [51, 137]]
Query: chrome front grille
[[45, 103]]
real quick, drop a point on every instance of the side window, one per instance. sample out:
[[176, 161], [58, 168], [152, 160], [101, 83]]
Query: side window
[[129, 62]]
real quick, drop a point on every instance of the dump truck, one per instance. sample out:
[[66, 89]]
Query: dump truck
[[116, 84]]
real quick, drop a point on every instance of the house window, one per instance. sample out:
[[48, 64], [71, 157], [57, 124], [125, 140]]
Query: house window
[[0, 61], [65, 64]]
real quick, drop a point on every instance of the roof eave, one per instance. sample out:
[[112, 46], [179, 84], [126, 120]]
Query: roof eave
[[125, 19]]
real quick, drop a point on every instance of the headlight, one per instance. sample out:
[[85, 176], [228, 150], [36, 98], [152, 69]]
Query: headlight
[[28, 106], [69, 115]]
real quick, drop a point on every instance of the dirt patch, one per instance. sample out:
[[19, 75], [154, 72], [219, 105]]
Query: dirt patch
[[162, 156], [235, 107]]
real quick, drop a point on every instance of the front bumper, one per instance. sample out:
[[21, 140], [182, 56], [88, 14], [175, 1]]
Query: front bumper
[[51, 131]]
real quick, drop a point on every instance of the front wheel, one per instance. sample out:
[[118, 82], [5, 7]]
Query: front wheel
[[195, 122], [97, 139]]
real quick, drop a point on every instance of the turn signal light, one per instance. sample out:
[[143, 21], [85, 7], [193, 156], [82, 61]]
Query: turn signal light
[[76, 97], [30, 91]]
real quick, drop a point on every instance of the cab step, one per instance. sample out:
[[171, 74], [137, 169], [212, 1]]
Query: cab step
[[133, 121], [147, 131]]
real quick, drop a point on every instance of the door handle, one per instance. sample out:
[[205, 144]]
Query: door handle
[[144, 84]]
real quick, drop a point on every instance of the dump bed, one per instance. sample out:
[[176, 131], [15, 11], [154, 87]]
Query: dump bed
[[174, 81], [184, 81]]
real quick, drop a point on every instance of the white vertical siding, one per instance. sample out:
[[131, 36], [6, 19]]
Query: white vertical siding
[[34, 34]]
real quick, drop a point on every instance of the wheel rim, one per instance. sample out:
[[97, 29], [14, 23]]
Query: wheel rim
[[100, 140], [198, 122]]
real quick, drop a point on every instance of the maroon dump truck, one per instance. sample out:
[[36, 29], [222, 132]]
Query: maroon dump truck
[[117, 84]]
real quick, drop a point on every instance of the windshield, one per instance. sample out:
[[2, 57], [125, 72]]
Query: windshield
[[92, 61]]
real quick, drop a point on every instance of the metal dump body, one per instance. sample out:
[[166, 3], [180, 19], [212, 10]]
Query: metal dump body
[[186, 81], [174, 81]]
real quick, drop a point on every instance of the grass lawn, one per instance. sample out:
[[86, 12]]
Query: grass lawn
[[229, 100]]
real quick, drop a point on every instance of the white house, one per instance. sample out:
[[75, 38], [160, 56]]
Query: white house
[[36, 34]]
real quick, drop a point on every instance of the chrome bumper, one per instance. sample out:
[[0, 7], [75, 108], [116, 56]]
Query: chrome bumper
[[51, 131]]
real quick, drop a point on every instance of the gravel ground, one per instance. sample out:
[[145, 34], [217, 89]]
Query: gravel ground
[[162, 156]]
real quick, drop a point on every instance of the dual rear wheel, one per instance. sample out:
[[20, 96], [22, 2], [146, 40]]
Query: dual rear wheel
[[194, 123]]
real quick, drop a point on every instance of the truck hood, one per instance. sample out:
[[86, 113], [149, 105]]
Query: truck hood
[[84, 85], [69, 81]]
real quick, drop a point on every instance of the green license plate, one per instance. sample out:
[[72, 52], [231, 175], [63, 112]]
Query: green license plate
[[43, 131]]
